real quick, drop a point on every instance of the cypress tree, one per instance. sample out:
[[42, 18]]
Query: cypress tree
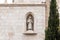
[[53, 22]]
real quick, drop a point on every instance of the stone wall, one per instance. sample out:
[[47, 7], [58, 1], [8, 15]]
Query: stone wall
[[29, 1], [13, 23]]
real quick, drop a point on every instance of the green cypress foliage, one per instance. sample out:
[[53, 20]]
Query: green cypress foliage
[[53, 22]]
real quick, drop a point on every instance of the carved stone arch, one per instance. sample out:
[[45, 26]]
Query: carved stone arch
[[29, 14]]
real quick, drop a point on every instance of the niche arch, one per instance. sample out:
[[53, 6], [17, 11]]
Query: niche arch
[[29, 21]]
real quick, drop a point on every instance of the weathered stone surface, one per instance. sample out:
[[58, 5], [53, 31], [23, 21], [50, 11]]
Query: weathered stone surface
[[13, 20], [29, 1], [13, 23]]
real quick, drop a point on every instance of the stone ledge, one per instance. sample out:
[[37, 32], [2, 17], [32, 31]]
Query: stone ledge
[[30, 32], [19, 5]]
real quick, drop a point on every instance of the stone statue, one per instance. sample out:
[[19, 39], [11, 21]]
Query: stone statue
[[30, 21]]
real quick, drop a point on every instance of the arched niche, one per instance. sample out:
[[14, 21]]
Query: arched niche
[[29, 21]]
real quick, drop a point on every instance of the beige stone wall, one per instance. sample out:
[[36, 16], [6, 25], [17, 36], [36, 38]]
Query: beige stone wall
[[47, 12], [13, 20], [29, 1], [13, 23]]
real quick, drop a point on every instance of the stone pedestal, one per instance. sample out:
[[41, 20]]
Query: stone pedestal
[[30, 32]]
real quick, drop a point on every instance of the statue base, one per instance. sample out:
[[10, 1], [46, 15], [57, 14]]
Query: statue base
[[30, 32]]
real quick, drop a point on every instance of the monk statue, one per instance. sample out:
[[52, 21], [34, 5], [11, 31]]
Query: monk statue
[[30, 21]]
